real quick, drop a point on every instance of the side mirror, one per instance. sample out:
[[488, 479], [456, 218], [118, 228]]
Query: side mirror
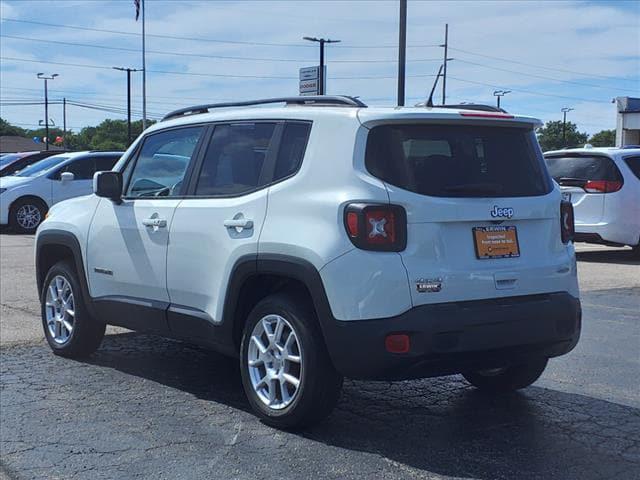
[[67, 177], [108, 185]]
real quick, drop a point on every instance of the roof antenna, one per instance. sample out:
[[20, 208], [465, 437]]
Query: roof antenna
[[435, 84]]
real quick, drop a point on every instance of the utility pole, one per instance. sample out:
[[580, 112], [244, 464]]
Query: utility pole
[[321, 86], [444, 73], [564, 111], [128, 70], [402, 51], [42, 76], [64, 123], [500, 93]]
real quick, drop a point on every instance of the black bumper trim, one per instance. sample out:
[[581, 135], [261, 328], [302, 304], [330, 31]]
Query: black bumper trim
[[450, 338]]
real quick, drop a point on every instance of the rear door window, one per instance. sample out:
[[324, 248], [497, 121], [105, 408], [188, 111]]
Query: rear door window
[[576, 169], [634, 165], [458, 160], [234, 161]]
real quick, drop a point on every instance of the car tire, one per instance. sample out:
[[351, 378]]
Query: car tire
[[291, 349], [68, 327], [513, 377], [635, 251], [26, 214]]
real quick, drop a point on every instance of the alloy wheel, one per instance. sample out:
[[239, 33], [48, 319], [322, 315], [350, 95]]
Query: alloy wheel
[[275, 362], [60, 310], [28, 216]]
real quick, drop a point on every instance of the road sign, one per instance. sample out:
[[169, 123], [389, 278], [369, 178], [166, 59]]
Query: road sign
[[309, 84], [309, 73], [309, 87]]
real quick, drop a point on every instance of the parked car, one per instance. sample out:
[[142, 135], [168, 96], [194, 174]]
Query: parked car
[[14, 162], [26, 196], [603, 184], [323, 239]]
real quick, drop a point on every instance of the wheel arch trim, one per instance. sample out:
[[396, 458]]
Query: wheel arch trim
[[68, 240]]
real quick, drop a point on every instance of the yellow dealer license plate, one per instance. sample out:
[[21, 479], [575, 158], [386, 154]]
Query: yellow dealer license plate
[[496, 242]]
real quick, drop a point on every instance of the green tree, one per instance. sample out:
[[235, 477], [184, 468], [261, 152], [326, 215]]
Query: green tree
[[604, 138], [551, 138], [11, 130]]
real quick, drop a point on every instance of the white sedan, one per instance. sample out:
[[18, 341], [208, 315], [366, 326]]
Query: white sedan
[[26, 196]]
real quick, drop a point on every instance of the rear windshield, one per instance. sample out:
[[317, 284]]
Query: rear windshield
[[567, 168], [458, 160]]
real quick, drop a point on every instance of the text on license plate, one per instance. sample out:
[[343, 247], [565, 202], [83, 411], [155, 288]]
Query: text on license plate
[[496, 242]]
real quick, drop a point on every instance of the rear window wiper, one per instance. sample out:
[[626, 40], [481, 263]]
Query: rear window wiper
[[478, 188], [571, 182]]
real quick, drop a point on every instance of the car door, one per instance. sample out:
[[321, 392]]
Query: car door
[[127, 244], [219, 223]]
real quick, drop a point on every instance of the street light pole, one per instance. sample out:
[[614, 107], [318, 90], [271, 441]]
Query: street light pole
[[321, 86], [500, 93], [564, 111], [42, 76], [128, 70], [402, 52]]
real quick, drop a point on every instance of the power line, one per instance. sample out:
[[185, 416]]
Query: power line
[[217, 75], [199, 39], [458, 60], [529, 91], [198, 55], [541, 66]]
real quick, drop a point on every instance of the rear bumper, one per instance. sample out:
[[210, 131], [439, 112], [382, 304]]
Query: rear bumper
[[607, 234], [450, 338]]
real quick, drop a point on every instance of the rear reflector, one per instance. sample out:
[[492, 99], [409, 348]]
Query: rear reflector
[[397, 343], [602, 186], [567, 222], [486, 115]]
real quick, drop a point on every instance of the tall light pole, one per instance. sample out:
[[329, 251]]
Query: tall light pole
[[46, 78], [500, 93], [128, 70], [564, 125], [321, 86], [402, 51]]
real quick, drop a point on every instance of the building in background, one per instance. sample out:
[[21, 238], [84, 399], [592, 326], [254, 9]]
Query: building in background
[[628, 122], [13, 144]]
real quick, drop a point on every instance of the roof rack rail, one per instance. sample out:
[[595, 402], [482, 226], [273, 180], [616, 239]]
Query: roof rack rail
[[308, 100], [468, 106]]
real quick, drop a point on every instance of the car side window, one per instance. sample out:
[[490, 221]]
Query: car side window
[[234, 160], [105, 163], [162, 163], [634, 165], [82, 168], [292, 148]]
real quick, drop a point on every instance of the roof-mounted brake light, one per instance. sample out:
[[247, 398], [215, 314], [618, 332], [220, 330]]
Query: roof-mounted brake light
[[486, 114]]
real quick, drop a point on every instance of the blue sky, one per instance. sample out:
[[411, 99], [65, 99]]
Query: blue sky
[[549, 54]]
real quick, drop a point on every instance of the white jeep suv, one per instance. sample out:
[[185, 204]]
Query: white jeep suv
[[323, 239]]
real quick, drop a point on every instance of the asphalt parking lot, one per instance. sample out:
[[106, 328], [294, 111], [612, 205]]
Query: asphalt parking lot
[[144, 407]]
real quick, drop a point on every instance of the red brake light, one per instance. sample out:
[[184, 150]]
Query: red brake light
[[376, 227], [567, 222], [486, 115], [352, 224], [602, 186]]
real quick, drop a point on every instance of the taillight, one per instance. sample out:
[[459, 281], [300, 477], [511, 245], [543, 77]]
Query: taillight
[[602, 186], [376, 227], [567, 224]]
